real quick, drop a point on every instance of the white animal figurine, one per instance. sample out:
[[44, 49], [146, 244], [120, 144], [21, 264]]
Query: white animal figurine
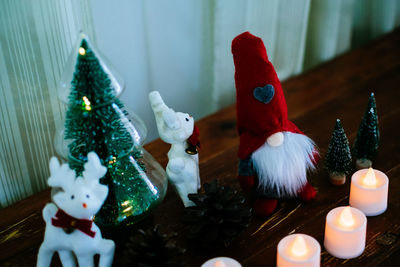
[[176, 128], [69, 225]]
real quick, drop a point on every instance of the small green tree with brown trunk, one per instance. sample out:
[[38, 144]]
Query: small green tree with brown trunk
[[366, 144], [338, 157]]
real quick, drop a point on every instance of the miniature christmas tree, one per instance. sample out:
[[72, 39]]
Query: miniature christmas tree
[[338, 158], [96, 121], [367, 141]]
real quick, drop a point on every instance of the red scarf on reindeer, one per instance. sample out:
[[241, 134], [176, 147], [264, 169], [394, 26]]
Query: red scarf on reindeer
[[194, 141], [66, 221]]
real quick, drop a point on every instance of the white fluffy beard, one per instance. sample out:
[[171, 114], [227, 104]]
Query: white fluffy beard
[[284, 168]]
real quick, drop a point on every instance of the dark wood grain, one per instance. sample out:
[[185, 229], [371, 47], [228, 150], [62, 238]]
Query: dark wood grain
[[336, 89]]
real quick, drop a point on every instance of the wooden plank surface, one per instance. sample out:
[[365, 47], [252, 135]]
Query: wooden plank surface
[[337, 89]]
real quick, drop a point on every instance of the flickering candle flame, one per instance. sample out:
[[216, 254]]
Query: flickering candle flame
[[82, 51], [299, 247], [87, 103], [346, 218], [369, 179], [219, 263]]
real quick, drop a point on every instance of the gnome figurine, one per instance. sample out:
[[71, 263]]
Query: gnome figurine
[[274, 154]]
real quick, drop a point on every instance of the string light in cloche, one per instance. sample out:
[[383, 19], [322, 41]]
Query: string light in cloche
[[112, 160], [82, 51], [86, 103]]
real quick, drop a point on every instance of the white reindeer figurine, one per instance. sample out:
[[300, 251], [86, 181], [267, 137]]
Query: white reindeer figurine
[[175, 128], [69, 225]]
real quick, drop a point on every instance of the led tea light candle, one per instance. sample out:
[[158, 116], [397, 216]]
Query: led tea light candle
[[298, 250], [221, 262], [369, 191], [345, 231]]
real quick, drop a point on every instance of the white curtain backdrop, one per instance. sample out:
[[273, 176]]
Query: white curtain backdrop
[[178, 47]]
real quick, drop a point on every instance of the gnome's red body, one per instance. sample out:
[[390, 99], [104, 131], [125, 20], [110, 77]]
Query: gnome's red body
[[261, 113]]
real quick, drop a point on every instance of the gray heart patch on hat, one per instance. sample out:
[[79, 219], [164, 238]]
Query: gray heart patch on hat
[[264, 94]]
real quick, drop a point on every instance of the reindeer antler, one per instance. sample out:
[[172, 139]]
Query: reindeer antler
[[54, 166], [60, 176], [159, 107], [156, 101], [93, 168]]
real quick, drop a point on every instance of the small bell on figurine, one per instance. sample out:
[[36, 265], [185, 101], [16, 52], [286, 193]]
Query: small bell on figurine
[[366, 144], [178, 129], [274, 154], [69, 222]]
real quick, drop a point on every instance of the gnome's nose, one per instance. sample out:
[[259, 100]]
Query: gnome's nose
[[276, 139]]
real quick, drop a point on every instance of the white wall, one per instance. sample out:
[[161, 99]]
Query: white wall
[[156, 45]]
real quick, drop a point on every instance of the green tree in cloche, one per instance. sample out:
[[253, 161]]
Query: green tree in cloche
[[96, 121], [366, 144], [338, 157]]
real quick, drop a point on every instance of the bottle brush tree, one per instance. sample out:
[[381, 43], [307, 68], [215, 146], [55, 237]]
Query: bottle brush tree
[[338, 157], [96, 121], [366, 144]]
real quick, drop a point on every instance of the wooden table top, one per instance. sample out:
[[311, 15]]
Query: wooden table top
[[336, 89]]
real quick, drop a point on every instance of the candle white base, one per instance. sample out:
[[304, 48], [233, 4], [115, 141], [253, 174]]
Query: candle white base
[[229, 262], [331, 249], [342, 243], [284, 259], [371, 201]]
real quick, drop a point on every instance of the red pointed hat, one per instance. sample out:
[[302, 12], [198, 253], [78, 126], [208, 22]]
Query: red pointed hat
[[260, 104]]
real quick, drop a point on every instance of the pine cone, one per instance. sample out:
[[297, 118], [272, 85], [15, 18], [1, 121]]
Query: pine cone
[[148, 248], [218, 217]]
